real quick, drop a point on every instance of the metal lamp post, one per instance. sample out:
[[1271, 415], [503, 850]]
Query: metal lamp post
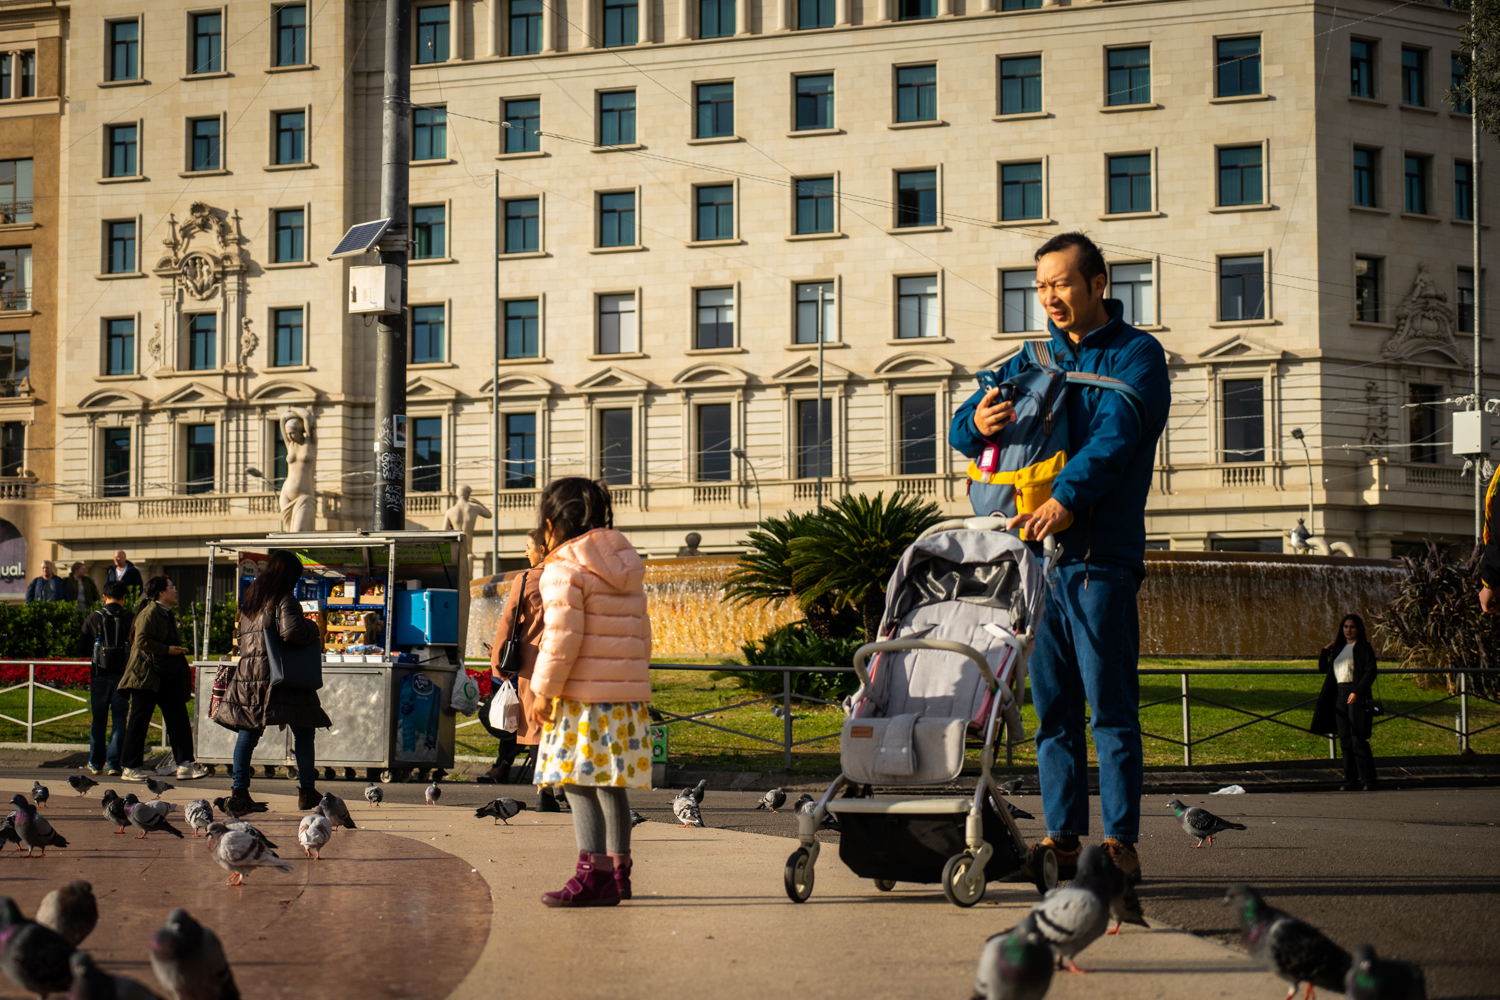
[[739, 453], [1301, 439]]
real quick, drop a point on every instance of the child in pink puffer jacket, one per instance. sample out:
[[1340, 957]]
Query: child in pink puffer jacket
[[592, 684]]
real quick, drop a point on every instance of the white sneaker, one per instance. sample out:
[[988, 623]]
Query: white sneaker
[[135, 774], [191, 770], [166, 767]]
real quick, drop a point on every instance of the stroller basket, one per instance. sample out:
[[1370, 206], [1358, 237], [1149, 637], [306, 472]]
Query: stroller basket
[[903, 844]]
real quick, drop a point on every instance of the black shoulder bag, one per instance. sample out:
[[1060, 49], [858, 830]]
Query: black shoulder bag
[[510, 651], [294, 668]]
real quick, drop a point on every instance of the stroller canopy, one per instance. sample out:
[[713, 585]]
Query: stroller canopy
[[994, 570]]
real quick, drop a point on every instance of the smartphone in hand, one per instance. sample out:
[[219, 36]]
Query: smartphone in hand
[[987, 380]]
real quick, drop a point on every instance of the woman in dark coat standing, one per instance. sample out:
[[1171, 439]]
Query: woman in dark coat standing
[[1344, 703], [246, 701], [524, 598]]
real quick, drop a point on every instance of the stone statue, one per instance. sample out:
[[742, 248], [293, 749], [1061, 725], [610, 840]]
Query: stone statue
[[463, 516], [1424, 319], [690, 550], [299, 493]]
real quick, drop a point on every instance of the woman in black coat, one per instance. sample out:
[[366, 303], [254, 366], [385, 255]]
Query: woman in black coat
[[1344, 703]]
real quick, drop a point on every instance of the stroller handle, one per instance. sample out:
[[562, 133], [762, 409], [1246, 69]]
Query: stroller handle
[[1051, 549], [862, 656]]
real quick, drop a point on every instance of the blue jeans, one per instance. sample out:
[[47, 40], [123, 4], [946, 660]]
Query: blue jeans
[[1086, 649], [302, 750], [108, 704]]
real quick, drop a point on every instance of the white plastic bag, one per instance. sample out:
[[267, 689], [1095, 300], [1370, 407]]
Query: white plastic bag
[[465, 700], [505, 707]]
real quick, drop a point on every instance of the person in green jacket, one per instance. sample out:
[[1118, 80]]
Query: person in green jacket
[[158, 675]]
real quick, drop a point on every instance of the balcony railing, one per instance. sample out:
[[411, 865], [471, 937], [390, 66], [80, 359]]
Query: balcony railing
[[17, 490], [717, 496], [1241, 476], [172, 508], [10, 388], [15, 211], [1437, 477], [15, 300], [427, 503]]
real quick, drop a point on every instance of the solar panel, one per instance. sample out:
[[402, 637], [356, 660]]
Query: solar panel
[[361, 238]]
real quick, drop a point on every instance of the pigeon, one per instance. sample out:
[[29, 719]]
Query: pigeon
[[245, 826], [699, 790], [772, 800], [1293, 950], [1072, 917], [158, 787], [189, 961], [8, 834], [147, 819], [165, 808], [373, 794], [72, 911], [1124, 905], [198, 813], [40, 794], [1016, 812], [685, 808], [115, 810], [313, 833], [1014, 785], [636, 819], [501, 809], [780, 713], [1201, 823], [807, 804], [1371, 978], [1015, 965], [238, 852], [433, 793], [655, 714], [236, 806], [92, 983], [34, 957], [34, 830], [337, 812], [82, 783]]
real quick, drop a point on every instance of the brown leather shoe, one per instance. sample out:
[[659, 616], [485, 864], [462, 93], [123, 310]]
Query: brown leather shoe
[[308, 797], [1125, 859], [1067, 861]]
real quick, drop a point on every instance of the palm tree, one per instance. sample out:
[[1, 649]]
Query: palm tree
[[763, 573]]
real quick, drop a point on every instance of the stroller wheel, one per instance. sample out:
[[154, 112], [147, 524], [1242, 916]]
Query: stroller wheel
[[957, 886], [799, 876], [1043, 865], [885, 884]]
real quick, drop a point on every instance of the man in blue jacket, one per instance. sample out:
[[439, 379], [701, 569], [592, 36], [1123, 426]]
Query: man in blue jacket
[[1088, 641]]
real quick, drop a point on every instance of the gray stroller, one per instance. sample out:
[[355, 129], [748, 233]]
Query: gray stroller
[[960, 617]]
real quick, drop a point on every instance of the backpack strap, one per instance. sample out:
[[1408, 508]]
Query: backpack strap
[[1093, 381], [1039, 353]]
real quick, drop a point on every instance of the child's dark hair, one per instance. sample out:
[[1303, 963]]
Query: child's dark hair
[[574, 506]]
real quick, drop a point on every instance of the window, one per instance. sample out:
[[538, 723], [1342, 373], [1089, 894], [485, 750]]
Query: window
[[523, 218], [916, 198], [15, 361], [1367, 304], [1021, 85], [714, 326], [15, 278], [1465, 301], [918, 435], [1414, 77], [715, 212], [1129, 183], [1238, 63], [715, 110], [617, 219], [1131, 284], [427, 455], [429, 134], [713, 442], [814, 438], [715, 18], [1463, 190], [17, 75], [199, 467], [1423, 423], [617, 330], [291, 35], [428, 325], [520, 451], [290, 228], [615, 447], [432, 34], [124, 50], [1460, 81], [116, 462], [525, 27], [1020, 310], [815, 205], [815, 14], [202, 341], [429, 226], [12, 448], [15, 191], [526, 115], [916, 10], [1242, 284], [123, 146], [814, 102], [121, 256], [617, 118], [916, 94], [1129, 77], [205, 136], [1244, 420], [286, 337], [1240, 180], [621, 24], [1417, 170], [916, 307], [1361, 68], [1021, 5], [807, 312], [208, 43], [1021, 191], [1366, 175], [291, 137], [523, 328], [119, 347]]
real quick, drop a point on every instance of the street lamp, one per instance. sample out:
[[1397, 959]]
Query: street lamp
[[739, 453], [1302, 439]]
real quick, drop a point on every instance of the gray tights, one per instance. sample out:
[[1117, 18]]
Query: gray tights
[[601, 818]]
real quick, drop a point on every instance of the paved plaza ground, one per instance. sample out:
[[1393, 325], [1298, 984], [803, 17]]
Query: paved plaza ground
[[430, 902]]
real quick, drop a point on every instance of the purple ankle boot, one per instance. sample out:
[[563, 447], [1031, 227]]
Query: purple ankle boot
[[592, 884], [622, 873]]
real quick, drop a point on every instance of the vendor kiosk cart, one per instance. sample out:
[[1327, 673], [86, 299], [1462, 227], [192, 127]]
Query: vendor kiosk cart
[[386, 605]]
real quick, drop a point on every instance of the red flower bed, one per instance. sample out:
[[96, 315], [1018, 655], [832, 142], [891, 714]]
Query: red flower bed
[[57, 674]]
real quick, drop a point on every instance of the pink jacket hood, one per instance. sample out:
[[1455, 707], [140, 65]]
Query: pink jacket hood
[[605, 553]]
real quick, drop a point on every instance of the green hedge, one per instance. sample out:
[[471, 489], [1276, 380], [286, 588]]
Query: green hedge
[[51, 629]]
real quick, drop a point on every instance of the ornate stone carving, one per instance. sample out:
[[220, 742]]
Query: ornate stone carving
[[249, 341], [199, 273], [1377, 419], [153, 346], [1423, 320], [201, 250]]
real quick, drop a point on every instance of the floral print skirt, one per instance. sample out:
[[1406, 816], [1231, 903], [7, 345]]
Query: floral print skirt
[[603, 744]]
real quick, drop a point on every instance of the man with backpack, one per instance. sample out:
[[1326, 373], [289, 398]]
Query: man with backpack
[[106, 643], [1108, 384]]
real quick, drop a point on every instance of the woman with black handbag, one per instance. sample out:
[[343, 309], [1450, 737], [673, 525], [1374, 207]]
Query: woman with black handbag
[[245, 698], [512, 658], [1345, 705]]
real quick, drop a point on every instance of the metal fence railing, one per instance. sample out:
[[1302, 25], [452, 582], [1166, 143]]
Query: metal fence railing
[[31, 685]]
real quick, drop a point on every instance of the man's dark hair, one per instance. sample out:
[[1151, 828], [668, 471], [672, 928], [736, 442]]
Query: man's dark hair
[[114, 590], [1090, 260], [156, 586]]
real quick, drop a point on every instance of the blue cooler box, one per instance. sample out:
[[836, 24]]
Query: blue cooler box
[[426, 617]]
